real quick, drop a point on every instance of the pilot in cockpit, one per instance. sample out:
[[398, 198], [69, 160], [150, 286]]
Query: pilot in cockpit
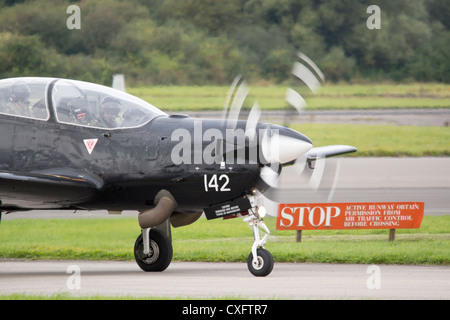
[[19, 100], [109, 111]]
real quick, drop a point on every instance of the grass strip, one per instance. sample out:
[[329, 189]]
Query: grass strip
[[329, 97], [230, 240], [381, 140]]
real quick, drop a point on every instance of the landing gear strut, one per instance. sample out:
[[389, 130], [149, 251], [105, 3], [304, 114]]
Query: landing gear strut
[[260, 261], [153, 248]]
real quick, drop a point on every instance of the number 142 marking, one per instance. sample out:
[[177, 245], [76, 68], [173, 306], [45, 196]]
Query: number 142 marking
[[214, 183]]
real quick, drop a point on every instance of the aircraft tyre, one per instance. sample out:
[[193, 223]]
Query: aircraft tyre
[[264, 264], [160, 255]]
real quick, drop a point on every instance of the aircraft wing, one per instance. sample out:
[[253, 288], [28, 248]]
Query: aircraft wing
[[327, 152], [51, 189], [324, 152]]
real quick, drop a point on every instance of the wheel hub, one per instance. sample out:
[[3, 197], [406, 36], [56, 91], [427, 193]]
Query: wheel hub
[[258, 263], [153, 254]]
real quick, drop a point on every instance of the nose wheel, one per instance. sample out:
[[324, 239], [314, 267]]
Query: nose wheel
[[260, 261], [262, 265]]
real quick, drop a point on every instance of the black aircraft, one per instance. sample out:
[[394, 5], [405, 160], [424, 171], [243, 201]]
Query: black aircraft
[[68, 144]]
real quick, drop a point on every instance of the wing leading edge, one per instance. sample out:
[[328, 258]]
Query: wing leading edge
[[39, 190], [327, 152]]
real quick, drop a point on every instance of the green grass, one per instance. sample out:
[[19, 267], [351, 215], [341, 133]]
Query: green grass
[[229, 240], [330, 96], [381, 140]]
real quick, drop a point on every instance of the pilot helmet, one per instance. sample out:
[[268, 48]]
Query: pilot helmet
[[19, 92], [110, 106]]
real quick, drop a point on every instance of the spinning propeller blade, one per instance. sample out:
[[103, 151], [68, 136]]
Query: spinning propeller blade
[[280, 146]]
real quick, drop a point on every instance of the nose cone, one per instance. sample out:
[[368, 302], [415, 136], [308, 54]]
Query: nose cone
[[283, 145]]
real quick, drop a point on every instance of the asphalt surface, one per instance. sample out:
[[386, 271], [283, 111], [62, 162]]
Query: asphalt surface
[[210, 280]]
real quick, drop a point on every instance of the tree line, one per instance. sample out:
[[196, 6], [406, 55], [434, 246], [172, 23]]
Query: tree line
[[163, 42]]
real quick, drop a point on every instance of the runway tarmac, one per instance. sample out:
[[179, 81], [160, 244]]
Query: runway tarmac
[[210, 280]]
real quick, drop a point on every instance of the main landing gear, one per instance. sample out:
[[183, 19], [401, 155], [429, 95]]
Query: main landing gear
[[153, 250]]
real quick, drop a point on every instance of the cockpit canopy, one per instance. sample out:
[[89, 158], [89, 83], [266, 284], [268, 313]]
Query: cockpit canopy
[[74, 102]]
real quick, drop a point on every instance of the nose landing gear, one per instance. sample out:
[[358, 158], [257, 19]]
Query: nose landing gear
[[260, 261]]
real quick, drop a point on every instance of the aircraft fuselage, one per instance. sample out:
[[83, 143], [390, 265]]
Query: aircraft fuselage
[[129, 166]]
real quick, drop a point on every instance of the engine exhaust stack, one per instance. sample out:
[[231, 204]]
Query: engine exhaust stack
[[164, 206]]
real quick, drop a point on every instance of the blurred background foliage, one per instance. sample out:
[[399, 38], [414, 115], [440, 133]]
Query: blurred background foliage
[[197, 42]]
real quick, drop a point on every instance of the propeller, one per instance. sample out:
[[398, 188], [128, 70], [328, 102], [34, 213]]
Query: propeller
[[281, 147]]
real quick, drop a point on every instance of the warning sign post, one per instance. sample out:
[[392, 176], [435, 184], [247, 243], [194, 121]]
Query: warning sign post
[[342, 216]]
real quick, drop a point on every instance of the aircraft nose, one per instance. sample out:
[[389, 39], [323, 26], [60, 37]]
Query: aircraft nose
[[283, 145]]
